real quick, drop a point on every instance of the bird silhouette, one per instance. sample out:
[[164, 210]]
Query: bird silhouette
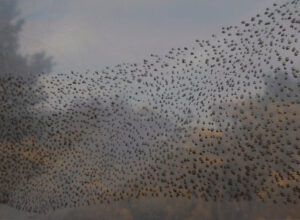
[[217, 120]]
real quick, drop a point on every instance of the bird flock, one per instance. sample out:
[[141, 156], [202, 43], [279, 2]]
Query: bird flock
[[218, 120]]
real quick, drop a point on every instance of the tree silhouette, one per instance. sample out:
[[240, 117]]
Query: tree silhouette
[[17, 74], [11, 61]]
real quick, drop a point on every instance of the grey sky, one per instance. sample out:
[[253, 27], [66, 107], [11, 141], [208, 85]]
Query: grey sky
[[93, 34]]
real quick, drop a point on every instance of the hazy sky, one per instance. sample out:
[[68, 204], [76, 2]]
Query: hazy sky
[[91, 34], [96, 33]]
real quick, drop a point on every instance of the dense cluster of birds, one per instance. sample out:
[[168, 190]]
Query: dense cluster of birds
[[218, 120]]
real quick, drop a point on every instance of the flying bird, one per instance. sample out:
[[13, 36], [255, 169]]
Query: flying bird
[[217, 120]]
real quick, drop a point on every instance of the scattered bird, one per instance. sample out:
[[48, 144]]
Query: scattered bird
[[217, 120]]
